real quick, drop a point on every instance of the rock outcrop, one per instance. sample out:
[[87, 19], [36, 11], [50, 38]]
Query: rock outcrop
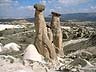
[[50, 35], [56, 30], [11, 47], [1, 45], [42, 41], [32, 54]]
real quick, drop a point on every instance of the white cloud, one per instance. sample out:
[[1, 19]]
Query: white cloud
[[8, 2], [52, 10], [12, 9], [58, 9], [4, 1], [72, 2], [93, 7], [30, 7], [27, 7], [43, 2], [7, 5]]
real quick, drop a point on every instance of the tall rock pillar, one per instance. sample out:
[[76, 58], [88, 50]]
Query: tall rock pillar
[[42, 41], [56, 30]]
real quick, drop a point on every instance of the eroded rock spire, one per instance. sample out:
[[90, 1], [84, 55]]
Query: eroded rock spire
[[42, 41], [56, 30]]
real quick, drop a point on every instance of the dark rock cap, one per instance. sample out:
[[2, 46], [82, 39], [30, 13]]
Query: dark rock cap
[[39, 7], [55, 13]]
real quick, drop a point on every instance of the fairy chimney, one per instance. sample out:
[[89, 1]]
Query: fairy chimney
[[42, 41], [56, 30]]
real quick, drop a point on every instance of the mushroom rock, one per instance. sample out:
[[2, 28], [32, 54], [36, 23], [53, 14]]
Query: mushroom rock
[[42, 42], [56, 30], [39, 7]]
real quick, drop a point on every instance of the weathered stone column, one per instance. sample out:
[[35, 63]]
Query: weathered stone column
[[42, 42], [56, 30]]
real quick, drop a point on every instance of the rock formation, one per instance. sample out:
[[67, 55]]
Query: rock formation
[[56, 30], [42, 41], [50, 35], [11, 47], [32, 54], [1, 45]]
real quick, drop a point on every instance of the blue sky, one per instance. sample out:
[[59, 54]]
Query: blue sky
[[24, 8]]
